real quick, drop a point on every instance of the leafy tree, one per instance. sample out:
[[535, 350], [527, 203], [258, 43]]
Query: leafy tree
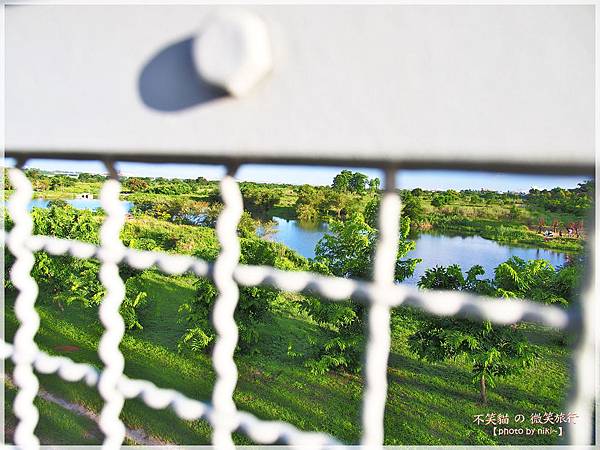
[[452, 195], [576, 201], [69, 279], [253, 307], [254, 302], [452, 278], [514, 213], [338, 202], [211, 214], [492, 351], [136, 184], [258, 199], [347, 250], [412, 207], [169, 187], [91, 177], [541, 224], [341, 182], [535, 279], [179, 210], [374, 184], [309, 203], [41, 183], [358, 182], [33, 173], [372, 211], [57, 182], [440, 200]]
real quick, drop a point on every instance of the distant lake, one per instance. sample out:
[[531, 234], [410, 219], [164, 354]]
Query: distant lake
[[297, 235], [433, 249], [466, 251], [76, 203]]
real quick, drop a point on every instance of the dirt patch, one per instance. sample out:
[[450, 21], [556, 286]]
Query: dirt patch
[[135, 435], [67, 348]]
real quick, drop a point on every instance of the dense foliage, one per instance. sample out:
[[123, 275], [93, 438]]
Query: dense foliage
[[492, 351], [348, 250], [359, 183], [258, 199], [575, 201], [67, 279], [254, 302]]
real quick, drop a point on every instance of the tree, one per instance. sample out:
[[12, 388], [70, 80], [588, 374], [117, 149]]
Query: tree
[[136, 184], [258, 199], [254, 302], [358, 182], [253, 307], [41, 183], [514, 212], [337, 202], [347, 250], [179, 210], [169, 187], [309, 203], [541, 223], [69, 279], [576, 201], [452, 195], [492, 351], [374, 184], [412, 207], [439, 200], [33, 173], [57, 182], [535, 279], [341, 182], [91, 177]]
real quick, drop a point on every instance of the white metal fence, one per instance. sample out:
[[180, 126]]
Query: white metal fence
[[380, 295]]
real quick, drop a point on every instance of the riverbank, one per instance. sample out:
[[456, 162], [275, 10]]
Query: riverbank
[[506, 233], [509, 221]]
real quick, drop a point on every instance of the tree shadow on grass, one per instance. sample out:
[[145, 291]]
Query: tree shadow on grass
[[294, 396], [501, 397]]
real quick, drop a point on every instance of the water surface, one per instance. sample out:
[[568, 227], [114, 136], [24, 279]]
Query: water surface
[[466, 251], [297, 235], [433, 249]]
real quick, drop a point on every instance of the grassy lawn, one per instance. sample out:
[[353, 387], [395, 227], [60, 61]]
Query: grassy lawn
[[56, 425], [427, 403]]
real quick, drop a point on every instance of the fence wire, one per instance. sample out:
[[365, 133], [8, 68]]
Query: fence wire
[[380, 295]]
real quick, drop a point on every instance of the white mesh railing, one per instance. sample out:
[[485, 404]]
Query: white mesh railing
[[379, 295]]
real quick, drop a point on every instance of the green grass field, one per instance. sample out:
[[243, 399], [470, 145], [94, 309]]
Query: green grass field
[[431, 404]]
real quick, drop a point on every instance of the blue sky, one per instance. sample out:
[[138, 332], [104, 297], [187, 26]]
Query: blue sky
[[425, 179]]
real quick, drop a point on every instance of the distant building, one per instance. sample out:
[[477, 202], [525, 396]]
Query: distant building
[[85, 196]]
